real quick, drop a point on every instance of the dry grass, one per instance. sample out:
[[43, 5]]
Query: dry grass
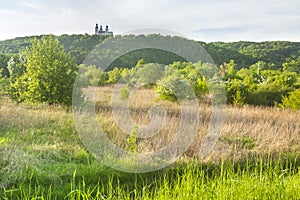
[[247, 130]]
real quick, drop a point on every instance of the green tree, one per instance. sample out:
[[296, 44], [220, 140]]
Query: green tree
[[50, 73]]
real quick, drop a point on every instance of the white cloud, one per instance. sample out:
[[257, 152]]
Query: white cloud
[[227, 20], [30, 4]]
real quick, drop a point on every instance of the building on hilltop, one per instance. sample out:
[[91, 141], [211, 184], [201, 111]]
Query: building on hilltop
[[100, 31]]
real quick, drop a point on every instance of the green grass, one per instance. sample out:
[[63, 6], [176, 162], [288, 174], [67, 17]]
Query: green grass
[[240, 142], [41, 157], [253, 179]]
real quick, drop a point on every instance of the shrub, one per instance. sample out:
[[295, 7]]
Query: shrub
[[236, 92], [173, 88], [292, 100], [131, 142], [124, 92]]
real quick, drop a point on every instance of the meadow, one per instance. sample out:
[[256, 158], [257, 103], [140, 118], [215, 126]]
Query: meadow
[[42, 156]]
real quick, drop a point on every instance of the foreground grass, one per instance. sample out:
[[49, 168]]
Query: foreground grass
[[260, 179], [41, 157]]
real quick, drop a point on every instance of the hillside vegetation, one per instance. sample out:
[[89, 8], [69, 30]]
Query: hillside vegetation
[[244, 53]]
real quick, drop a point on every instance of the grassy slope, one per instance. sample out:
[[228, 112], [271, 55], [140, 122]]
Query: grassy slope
[[42, 156]]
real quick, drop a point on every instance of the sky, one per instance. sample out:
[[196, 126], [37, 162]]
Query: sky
[[209, 20]]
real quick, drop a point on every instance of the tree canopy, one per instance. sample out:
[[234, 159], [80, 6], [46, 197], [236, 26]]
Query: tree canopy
[[48, 76]]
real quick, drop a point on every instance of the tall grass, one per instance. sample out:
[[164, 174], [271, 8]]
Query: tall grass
[[41, 155], [254, 179], [247, 130]]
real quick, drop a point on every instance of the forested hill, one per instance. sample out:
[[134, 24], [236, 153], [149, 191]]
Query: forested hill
[[247, 53], [244, 53]]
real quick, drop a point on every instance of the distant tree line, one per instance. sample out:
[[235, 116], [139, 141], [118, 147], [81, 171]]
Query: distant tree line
[[243, 53]]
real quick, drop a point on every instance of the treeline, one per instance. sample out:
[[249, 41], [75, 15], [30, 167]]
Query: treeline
[[243, 53], [247, 53], [256, 85], [32, 76]]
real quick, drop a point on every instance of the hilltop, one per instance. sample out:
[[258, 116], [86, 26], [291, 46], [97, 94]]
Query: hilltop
[[244, 53]]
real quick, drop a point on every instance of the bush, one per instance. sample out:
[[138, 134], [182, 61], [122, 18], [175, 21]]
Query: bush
[[124, 92], [268, 94], [174, 88], [236, 92], [149, 74], [114, 76], [292, 100]]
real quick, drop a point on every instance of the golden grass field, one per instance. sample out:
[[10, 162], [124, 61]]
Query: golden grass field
[[247, 130]]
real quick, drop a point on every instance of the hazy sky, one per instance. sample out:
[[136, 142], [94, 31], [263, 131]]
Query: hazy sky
[[210, 20]]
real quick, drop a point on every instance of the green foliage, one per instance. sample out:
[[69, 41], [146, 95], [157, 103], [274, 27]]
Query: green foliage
[[149, 74], [292, 65], [236, 92], [4, 58], [268, 94], [253, 73], [15, 68], [182, 80], [292, 100], [49, 76], [247, 53], [241, 142], [258, 85], [228, 70], [243, 53], [93, 76], [126, 75], [16, 84], [140, 63], [172, 88], [124, 92], [131, 142], [2, 86], [114, 76]]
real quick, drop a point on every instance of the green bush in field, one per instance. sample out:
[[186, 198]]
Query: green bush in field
[[149, 74], [236, 92], [173, 88], [49, 74], [93, 76], [114, 76], [131, 142], [181, 81], [292, 100], [273, 85], [124, 92]]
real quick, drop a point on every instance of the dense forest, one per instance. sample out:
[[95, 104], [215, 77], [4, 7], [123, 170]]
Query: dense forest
[[243, 53]]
